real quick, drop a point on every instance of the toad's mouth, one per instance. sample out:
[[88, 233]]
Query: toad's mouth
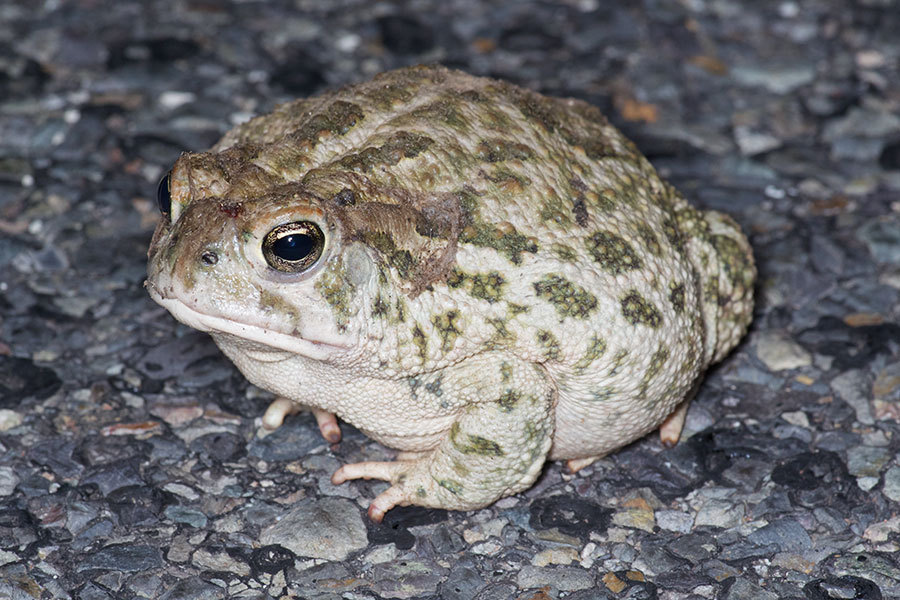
[[261, 338]]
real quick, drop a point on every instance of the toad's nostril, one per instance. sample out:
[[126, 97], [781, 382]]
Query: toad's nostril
[[209, 258]]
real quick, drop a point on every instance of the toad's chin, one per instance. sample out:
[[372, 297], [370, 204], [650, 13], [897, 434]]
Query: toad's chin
[[266, 344]]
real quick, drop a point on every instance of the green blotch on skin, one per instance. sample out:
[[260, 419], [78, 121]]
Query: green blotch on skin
[[508, 401], [736, 264], [649, 238], [570, 300], [379, 307], [442, 111], [401, 260], [692, 224], [657, 361], [508, 179], [338, 118], [612, 252], [594, 146], [337, 291], [477, 232], [504, 336], [603, 394], [420, 342], [595, 350], [533, 434], [516, 309], [506, 372], [501, 149], [414, 385], [534, 107], [454, 487], [448, 327], [401, 311], [400, 145], [434, 387], [473, 444], [484, 286], [510, 244], [673, 234], [676, 296], [563, 252], [487, 286], [420, 492], [460, 469], [618, 360], [637, 310], [269, 302], [387, 95], [549, 343], [711, 290]]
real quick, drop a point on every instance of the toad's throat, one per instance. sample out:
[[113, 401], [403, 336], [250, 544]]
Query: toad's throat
[[260, 338]]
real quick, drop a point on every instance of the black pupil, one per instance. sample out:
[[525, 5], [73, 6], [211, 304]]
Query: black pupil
[[293, 247], [163, 198]]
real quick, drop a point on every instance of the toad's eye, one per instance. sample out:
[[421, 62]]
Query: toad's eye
[[293, 247], [163, 196]]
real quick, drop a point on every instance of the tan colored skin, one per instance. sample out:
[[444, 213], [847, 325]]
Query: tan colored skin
[[504, 279]]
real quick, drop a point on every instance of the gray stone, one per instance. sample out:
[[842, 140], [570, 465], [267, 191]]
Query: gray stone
[[787, 534], [752, 142], [892, 484], [8, 481], [123, 557], [564, 579], [695, 547], [12, 592], [407, 578], [866, 461], [720, 513], [326, 582], [780, 353], [831, 518], [497, 591], [170, 358], [463, 583], [96, 531], [742, 589], [88, 592], [145, 585], [330, 528], [295, 439], [779, 79], [219, 560], [852, 387], [882, 237], [193, 588], [746, 373], [186, 514], [674, 520], [862, 123]]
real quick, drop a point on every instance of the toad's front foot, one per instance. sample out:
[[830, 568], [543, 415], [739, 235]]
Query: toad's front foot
[[282, 407], [495, 447]]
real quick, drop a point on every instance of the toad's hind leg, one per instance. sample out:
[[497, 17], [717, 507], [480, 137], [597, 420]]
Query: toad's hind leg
[[495, 447]]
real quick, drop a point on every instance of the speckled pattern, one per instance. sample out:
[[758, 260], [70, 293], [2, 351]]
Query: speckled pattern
[[133, 459]]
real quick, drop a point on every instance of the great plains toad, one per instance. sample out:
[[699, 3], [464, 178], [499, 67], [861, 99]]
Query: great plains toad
[[472, 273]]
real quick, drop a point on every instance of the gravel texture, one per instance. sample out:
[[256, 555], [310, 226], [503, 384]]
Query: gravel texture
[[131, 460]]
